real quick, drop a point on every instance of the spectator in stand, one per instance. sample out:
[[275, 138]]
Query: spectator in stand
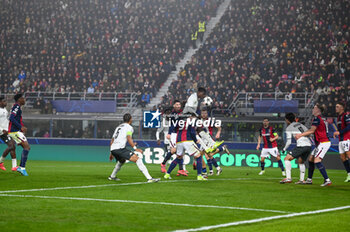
[[122, 46], [146, 97], [260, 45]]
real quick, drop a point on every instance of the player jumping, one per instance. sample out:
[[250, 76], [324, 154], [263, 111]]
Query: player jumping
[[206, 141], [122, 135], [186, 135], [269, 136], [319, 128], [11, 146], [17, 131], [171, 137], [343, 124], [191, 107], [300, 152]]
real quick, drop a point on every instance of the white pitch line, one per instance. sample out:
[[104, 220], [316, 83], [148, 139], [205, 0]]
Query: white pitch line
[[124, 184], [265, 219], [142, 202]]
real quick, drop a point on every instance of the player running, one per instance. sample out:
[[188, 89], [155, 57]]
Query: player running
[[343, 125], [319, 128], [269, 136], [17, 131], [11, 146], [186, 135], [300, 152], [122, 135]]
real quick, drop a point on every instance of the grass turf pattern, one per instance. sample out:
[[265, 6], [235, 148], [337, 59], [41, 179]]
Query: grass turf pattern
[[236, 187]]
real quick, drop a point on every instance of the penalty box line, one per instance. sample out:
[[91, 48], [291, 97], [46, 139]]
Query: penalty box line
[[123, 184], [257, 220], [141, 202]]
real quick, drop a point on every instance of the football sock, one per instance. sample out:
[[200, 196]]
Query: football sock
[[118, 166], [280, 164], [2, 159], [14, 163], [288, 169], [199, 165], [302, 171], [346, 165], [180, 162], [24, 158], [210, 164], [204, 170], [262, 166], [166, 158], [221, 149], [213, 160], [311, 169], [322, 170], [143, 169], [172, 165], [183, 166]]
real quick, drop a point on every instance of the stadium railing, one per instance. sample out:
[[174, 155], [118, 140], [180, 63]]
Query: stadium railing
[[122, 99], [246, 99]]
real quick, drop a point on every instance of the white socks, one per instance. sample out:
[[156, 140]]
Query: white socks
[[184, 167], [302, 171], [143, 169], [14, 163], [288, 166], [118, 166]]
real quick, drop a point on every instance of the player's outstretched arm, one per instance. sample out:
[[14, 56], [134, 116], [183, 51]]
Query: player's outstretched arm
[[274, 138], [133, 144], [306, 133]]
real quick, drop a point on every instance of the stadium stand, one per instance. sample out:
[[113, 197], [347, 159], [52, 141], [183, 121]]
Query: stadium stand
[[273, 46], [95, 46]]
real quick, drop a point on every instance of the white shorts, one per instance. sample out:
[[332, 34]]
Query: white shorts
[[18, 137], [266, 152], [173, 140], [187, 146], [321, 150], [344, 146]]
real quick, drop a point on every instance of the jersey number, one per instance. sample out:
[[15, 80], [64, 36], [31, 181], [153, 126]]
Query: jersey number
[[116, 136]]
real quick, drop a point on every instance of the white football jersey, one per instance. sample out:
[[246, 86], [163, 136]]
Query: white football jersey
[[4, 120], [297, 128], [120, 135], [192, 101]]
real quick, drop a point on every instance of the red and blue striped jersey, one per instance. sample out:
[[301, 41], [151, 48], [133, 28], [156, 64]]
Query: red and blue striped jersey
[[15, 118], [174, 118], [343, 124], [321, 130], [186, 133], [268, 133]]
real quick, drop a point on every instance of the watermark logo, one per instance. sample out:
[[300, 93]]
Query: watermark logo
[[151, 119]]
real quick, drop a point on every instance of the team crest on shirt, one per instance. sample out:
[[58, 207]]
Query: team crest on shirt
[[151, 119]]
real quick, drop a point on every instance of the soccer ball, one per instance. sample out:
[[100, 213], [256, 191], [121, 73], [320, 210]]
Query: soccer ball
[[207, 101]]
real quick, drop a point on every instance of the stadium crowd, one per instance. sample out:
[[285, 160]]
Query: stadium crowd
[[95, 45], [271, 46]]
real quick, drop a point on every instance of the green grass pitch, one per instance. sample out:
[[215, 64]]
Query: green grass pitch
[[120, 206]]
